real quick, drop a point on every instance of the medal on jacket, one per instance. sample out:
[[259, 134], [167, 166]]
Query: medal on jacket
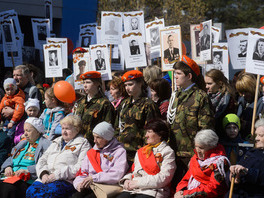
[[109, 157]]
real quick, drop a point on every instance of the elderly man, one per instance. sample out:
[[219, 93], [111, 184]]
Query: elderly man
[[22, 76], [249, 171]]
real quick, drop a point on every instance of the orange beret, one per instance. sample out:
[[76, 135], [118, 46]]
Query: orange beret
[[192, 64], [130, 75], [90, 74]]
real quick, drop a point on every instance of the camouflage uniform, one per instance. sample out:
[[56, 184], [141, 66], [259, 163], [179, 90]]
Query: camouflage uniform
[[193, 113], [131, 120], [97, 110]]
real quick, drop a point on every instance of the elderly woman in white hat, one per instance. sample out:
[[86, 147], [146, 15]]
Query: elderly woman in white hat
[[23, 161], [105, 163], [58, 166]]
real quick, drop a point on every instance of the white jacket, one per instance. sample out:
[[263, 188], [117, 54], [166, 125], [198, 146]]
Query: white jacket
[[154, 185], [64, 163]]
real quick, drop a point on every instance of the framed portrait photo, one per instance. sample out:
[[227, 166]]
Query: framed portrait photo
[[171, 47], [41, 30], [87, 35], [8, 35], [195, 43], [117, 57], [205, 40]]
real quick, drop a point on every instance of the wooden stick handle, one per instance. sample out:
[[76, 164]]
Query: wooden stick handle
[[232, 187], [255, 106]]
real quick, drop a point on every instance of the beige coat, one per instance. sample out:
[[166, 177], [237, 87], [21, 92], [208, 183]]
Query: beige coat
[[64, 163]]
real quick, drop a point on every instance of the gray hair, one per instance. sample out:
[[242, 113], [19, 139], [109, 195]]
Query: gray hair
[[259, 123], [207, 138], [24, 68]]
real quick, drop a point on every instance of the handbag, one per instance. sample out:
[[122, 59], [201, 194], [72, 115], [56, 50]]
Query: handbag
[[105, 190]]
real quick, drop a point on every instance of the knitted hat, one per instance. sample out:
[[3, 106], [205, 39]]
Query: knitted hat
[[192, 64], [105, 130], [130, 75], [231, 118], [90, 74], [32, 102], [36, 123], [10, 81]]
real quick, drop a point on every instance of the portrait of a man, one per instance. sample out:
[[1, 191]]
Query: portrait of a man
[[218, 60], [134, 48], [111, 30], [99, 62], [7, 32], [171, 53], [53, 58], [134, 23], [259, 50], [197, 43], [243, 48], [86, 41], [81, 65], [42, 32], [205, 39], [154, 36]]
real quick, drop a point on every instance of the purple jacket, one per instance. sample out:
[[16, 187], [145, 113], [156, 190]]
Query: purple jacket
[[19, 131], [113, 163]]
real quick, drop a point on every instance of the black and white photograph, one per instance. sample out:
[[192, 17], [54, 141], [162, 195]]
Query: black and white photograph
[[195, 43], [117, 57], [86, 41], [134, 47], [259, 50], [242, 48], [238, 43], [100, 60], [171, 47], [41, 31], [153, 36], [134, 22], [205, 40], [53, 58], [218, 60], [87, 34], [12, 14], [81, 67], [7, 33], [28, 54], [111, 27]]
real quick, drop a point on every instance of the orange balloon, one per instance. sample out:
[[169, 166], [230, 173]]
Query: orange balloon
[[64, 91], [262, 79]]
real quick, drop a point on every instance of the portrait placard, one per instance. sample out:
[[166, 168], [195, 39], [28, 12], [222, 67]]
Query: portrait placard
[[220, 58], [205, 40], [98, 34], [117, 57], [133, 45], [215, 34], [8, 33], [53, 60], [64, 49], [134, 22], [100, 60], [87, 35], [237, 40], [16, 54], [41, 30], [111, 27], [195, 43], [81, 64], [171, 48], [48, 12], [255, 51], [153, 36]]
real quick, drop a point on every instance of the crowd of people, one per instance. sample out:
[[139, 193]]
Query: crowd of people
[[134, 136]]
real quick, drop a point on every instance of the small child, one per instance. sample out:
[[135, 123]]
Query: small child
[[231, 124], [32, 109], [52, 115], [14, 98]]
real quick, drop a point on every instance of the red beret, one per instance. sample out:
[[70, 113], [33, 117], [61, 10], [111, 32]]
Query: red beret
[[130, 75], [192, 64], [90, 74]]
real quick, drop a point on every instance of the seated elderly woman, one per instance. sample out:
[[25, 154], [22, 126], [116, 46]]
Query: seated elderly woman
[[206, 174], [58, 166], [154, 165], [105, 163], [249, 171], [24, 157]]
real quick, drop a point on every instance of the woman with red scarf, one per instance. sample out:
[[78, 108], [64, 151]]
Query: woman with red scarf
[[154, 165], [208, 166]]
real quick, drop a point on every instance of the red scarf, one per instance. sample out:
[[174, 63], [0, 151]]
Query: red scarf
[[197, 172], [149, 164], [94, 158]]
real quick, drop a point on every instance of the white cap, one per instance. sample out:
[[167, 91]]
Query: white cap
[[105, 130], [32, 102], [9, 81], [36, 123]]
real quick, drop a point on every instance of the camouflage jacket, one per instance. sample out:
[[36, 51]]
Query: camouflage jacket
[[97, 110], [193, 113], [131, 120]]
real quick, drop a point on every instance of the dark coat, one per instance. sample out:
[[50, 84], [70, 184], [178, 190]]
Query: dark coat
[[174, 56]]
